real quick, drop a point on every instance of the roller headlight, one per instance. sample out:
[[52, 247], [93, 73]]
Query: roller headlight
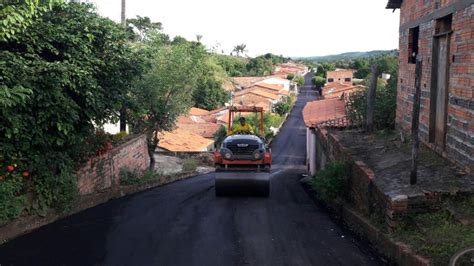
[[226, 153], [258, 154]]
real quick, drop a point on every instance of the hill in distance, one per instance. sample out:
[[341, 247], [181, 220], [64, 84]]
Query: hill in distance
[[349, 55]]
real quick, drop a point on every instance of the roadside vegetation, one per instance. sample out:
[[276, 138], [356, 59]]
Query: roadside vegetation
[[331, 182], [441, 234], [66, 71]]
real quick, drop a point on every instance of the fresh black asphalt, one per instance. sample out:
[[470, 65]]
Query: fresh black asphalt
[[183, 223]]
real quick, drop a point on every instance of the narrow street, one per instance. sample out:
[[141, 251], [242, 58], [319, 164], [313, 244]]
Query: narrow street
[[185, 224]]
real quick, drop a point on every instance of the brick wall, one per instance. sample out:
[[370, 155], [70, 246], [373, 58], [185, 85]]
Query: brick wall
[[460, 110], [364, 195], [102, 173]]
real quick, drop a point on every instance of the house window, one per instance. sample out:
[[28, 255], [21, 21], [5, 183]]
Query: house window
[[330, 80], [444, 24], [413, 44], [347, 79]]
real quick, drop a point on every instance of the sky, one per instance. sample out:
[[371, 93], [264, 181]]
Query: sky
[[293, 28]]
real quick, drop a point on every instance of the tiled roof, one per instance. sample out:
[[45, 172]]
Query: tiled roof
[[275, 87], [327, 112], [198, 111], [206, 130], [246, 82], [338, 90], [256, 91], [340, 74], [183, 140], [259, 92]]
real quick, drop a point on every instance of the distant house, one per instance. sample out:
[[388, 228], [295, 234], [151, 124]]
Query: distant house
[[441, 34], [271, 88], [282, 70], [256, 97], [321, 114], [273, 80], [246, 82], [339, 90], [342, 76], [180, 140]]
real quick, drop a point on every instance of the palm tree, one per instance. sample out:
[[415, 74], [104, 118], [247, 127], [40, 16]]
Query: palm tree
[[240, 49], [198, 37]]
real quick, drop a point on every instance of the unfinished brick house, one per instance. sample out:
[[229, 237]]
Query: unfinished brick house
[[441, 32], [342, 76]]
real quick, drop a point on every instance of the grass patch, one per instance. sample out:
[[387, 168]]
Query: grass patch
[[332, 181], [190, 165], [436, 235], [132, 177]]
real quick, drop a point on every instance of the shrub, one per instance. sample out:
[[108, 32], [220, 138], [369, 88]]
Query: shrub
[[290, 76], [299, 80], [318, 81], [284, 106], [189, 165], [12, 200], [129, 177], [332, 181], [384, 111]]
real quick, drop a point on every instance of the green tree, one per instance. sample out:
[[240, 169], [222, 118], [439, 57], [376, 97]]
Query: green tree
[[210, 93], [234, 66], [318, 81], [299, 80], [240, 49], [166, 89], [290, 76], [324, 68], [72, 69], [16, 16], [362, 68], [142, 29], [259, 66]]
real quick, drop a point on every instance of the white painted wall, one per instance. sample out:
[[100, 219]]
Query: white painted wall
[[276, 81], [113, 128], [312, 153]]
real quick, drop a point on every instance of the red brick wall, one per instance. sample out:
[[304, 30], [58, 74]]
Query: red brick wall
[[460, 126], [102, 173]]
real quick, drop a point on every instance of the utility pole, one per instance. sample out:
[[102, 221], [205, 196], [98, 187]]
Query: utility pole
[[123, 110], [123, 14]]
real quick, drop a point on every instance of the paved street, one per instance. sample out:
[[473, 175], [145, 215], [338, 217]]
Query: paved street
[[185, 224]]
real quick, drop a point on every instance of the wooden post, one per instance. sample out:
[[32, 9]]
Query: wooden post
[[415, 122], [371, 98]]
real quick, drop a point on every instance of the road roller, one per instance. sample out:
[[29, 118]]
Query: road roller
[[243, 160]]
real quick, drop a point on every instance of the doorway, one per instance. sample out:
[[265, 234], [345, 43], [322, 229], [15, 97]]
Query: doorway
[[439, 82]]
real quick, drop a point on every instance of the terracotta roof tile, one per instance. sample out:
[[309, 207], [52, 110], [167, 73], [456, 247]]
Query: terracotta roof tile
[[275, 87], [183, 140], [256, 91], [206, 130], [338, 90], [327, 112], [246, 82], [197, 111], [341, 73]]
